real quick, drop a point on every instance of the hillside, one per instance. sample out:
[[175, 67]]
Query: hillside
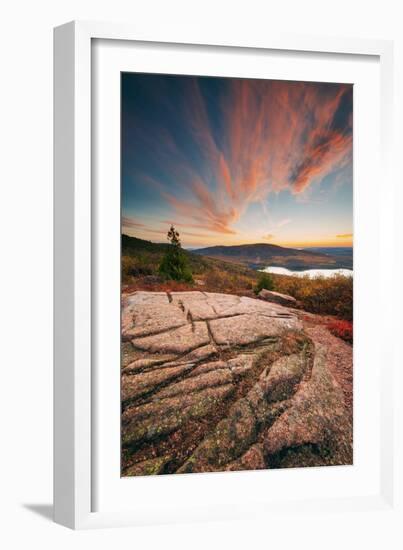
[[141, 260], [262, 254], [343, 254], [140, 257], [150, 253]]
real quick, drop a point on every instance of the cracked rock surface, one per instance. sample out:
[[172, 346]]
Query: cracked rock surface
[[216, 382]]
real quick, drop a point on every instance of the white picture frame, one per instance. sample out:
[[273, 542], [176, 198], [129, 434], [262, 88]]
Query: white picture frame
[[76, 211]]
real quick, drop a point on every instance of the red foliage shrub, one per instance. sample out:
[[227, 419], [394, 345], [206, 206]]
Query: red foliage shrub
[[342, 329]]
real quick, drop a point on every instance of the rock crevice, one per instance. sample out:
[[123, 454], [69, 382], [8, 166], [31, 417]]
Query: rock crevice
[[214, 382]]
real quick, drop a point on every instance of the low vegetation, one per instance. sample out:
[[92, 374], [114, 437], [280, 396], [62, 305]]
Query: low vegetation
[[141, 268], [139, 255], [265, 282], [342, 329], [144, 268], [326, 296]]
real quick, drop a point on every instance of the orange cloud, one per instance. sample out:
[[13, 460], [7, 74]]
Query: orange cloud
[[345, 236], [276, 136], [202, 210], [285, 135]]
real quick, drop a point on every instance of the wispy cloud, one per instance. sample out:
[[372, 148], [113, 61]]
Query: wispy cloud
[[128, 224], [274, 136], [344, 236], [282, 223], [276, 226], [131, 223]]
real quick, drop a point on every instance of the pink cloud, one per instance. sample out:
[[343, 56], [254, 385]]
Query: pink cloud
[[277, 136]]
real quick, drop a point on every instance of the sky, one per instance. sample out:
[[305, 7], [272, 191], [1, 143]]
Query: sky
[[236, 161]]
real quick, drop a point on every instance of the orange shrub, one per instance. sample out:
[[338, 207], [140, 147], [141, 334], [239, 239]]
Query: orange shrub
[[326, 296], [218, 280]]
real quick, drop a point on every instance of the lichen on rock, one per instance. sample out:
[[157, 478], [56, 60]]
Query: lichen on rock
[[216, 382]]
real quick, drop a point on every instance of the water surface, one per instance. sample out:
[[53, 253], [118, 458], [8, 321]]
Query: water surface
[[311, 273]]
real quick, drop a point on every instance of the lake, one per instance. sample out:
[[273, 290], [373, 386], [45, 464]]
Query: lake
[[311, 273]]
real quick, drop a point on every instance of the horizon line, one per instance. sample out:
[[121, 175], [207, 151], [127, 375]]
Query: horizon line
[[311, 244]]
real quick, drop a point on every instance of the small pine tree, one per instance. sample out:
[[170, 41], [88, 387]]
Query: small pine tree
[[173, 237], [265, 281], [174, 264]]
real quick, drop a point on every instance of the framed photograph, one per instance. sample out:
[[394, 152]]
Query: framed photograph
[[219, 234]]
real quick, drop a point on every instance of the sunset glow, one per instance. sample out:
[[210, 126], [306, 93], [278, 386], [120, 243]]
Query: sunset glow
[[234, 161]]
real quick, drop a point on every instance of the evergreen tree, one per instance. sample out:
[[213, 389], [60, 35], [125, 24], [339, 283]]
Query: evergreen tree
[[175, 264]]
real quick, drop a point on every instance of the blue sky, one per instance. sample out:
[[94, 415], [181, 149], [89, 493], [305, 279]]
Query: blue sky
[[234, 161]]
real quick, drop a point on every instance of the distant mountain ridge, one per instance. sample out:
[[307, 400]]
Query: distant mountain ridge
[[263, 254], [255, 256]]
